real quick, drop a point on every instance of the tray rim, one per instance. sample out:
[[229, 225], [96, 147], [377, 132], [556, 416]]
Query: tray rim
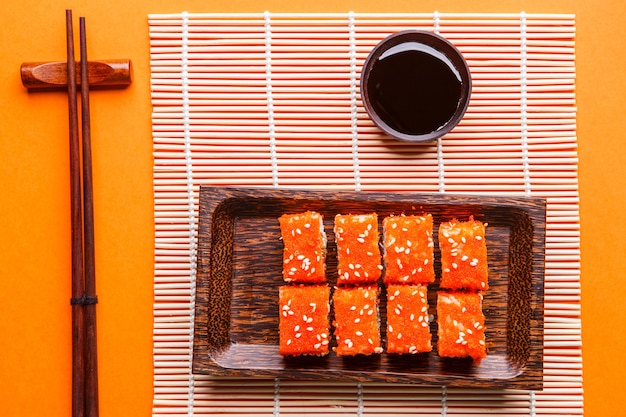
[[524, 380]]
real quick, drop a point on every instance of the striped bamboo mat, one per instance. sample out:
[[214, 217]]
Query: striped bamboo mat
[[273, 100]]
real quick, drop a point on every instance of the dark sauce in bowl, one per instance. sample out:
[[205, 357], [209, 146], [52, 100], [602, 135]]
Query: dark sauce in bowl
[[415, 86]]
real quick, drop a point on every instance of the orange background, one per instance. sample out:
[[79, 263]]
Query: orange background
[[35, 349]]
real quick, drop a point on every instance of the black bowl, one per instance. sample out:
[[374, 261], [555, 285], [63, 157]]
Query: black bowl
[[415, 86]]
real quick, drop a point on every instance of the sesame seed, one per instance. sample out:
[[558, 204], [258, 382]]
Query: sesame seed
[[356, 274], [380, 267], [454, 265], [298, 335], [359, 333], [288, 342], [351, 266], [478, 237], [463, 239], [370, 341], [324, 335], [446, 234], [324, 342], [390, 328], [447, 270], [482, 342], [346, 275], [451, 240], [360, 240], [347, 251], [298, 231], [366, 306], [370, 312], [407, 250], [290, 312], [399, 336], [393, 226], [464, 258], [310, 320], [310, 329], [352, 308], [397, 310], [304, 317], [284, 314], [425, 261], [463, 309], [412, 317], [317, 345], [408, 243], [307, 225], [295, 329], [482, 284], [357, 320], [469, 331], [300, 257], [420, 318], [378, 350], [404, 229], [424, 324]]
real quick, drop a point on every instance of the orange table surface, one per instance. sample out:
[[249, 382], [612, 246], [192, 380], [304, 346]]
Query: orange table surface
[[35, 326]]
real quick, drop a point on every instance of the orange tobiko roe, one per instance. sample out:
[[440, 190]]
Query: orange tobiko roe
[[304, 253], [356, 321], [408, 329], [461, 322], [463, 255], [408, 249], [303, 322], [358, 254]]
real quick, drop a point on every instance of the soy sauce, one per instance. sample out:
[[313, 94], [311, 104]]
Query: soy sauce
[[414, 88]]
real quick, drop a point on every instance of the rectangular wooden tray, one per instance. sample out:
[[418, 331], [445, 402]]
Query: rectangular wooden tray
[[239, 268]]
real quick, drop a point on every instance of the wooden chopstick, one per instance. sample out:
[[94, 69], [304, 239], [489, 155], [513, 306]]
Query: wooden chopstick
[[78, 328], [91, 357]]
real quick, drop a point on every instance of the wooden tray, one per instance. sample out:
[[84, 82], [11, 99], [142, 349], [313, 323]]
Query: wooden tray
[[239, 271]]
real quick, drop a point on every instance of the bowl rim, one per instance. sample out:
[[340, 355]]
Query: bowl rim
[[442, 45]]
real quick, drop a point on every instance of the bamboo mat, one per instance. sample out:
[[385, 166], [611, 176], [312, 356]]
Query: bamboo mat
[[273, 100]]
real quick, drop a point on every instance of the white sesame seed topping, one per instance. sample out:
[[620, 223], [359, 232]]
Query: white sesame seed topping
[[370, 312], [397, 311], [370, 341], [310, 329], [352, 308], [399, 336], [424, 324], [288, 342], [317, 345], [478, 237], [359, 333], [454, 265], [360, 240], [390, 328], [357, 320], [298, 335], [295, 329]]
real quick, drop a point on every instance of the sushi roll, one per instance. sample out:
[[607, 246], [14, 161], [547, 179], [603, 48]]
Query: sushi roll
[[303, 322], [358, 254], [304, 253], [408, 249], [461, 325], [408, 329], [356, 321], [463, 255]]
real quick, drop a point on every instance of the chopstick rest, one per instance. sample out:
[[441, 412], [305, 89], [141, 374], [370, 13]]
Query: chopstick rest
[[53, 75]]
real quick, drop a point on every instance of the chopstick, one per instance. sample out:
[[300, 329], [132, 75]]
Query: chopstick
[[78, 329], [91, 357], [84, 346]]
